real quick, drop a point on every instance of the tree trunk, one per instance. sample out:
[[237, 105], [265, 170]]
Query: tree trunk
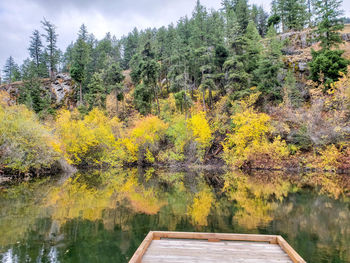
[[80, 95], [203, 90], [156, 95], [210, 98]]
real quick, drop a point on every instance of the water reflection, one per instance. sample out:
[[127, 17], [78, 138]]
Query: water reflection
[[104, 216]]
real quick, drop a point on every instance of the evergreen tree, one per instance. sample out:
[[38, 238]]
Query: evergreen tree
[[83, 33], [149, 72], [114, 80], [326, 66], [232, 25], [130, 44], [36, 53], [11, 71], [269, 67], [292, 95], [80, 57], [206, 62], [97, 92], [262, 21], [253, 50], [143, 99], [295, 13], [292, 14], [275, 18], [199, 26], [220, 57], [51, 47], [242, 11], [329, 22], [327, 63], [31, 93]]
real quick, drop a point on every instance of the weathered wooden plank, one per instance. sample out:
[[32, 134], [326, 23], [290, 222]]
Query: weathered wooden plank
[[289, 250], [220, 236], [137, 257], [176, 247], [204, 251]]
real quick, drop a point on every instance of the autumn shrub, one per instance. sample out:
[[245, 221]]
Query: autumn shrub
[[178, 135], [86, 140], [25, 144], [201, 131], [249, 141], [324, 120], [330, 157], [143, 140]]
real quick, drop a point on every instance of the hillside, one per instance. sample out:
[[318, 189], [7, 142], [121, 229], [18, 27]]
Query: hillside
[[221, 88]]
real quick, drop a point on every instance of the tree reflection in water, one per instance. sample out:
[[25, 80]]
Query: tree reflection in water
[[104, 216]]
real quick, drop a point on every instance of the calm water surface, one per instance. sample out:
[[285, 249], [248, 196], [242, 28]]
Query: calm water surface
[[104, 216]]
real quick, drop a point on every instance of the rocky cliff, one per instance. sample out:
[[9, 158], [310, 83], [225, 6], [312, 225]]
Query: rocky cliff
[[61, 89], [298, 48]]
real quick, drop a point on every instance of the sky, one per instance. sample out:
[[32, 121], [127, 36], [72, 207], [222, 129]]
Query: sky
[[19, 18]]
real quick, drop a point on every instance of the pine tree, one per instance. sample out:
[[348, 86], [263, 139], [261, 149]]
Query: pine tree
[[36, 53], [114, 80], [11, 71], [295, 14], [269, 67], [329, 22], [262, 21], [253, 53], [149, 72], [31, 93], [83, 33], [199, 26], [292, 95], [232, 26], [97, 92], [80, 57], [242, 11], [51, 47], [327, 63], [130, 44]]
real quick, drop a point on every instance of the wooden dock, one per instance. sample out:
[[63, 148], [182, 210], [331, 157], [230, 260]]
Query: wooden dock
[[179, 247]]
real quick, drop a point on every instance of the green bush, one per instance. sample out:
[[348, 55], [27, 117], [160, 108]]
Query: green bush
[[326, 66]]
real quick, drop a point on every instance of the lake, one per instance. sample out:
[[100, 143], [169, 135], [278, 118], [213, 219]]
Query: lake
[[103, 216]]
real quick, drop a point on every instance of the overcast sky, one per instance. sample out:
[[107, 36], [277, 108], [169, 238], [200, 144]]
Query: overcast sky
[[18, 18]]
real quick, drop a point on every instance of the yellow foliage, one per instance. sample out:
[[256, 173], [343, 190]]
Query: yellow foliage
[[201, 130], [149, 156], [24, 142], [329, 157], [149, 129], [249, 137], [201, 206], [146, 131], [89, 139], [254, 198]]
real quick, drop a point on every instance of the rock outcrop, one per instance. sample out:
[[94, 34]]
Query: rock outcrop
[[61, 89]]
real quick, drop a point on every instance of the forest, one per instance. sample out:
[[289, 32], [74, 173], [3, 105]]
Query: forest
[[236, 87]]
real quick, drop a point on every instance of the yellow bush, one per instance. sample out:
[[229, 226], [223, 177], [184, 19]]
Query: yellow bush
[[146, 132], [329, 158], [200, 129], [89, 139], [249, 138], [25, 144], [149, 129]]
